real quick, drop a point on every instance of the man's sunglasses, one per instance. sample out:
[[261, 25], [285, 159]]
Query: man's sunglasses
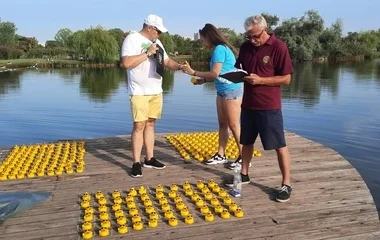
[[248, 37], [158, 31]]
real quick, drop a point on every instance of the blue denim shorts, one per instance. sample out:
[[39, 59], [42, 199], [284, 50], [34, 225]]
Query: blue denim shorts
[[231, 94]]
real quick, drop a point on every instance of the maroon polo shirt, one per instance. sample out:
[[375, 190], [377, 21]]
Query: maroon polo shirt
[[268, 60]]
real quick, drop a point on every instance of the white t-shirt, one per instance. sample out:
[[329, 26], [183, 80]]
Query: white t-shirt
[[143, 79]]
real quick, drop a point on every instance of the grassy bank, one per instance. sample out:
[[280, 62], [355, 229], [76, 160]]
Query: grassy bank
[[55, 63], [63, 63]]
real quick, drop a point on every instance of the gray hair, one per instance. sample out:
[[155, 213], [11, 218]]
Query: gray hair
[[258, 20]]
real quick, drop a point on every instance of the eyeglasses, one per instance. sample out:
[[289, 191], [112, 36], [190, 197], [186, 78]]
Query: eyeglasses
[[248, 37], [158, 31]]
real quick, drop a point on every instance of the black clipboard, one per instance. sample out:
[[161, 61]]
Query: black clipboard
[[159, 60], [235, 76]]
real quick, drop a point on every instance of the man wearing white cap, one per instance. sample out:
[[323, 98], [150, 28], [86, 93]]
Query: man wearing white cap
[[145, 88]]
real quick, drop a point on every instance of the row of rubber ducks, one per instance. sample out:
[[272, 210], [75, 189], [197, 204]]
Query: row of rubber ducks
[[41, 160], [202, 145], [205, 192]]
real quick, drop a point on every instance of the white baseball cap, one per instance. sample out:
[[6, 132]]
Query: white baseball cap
[[155, 21]]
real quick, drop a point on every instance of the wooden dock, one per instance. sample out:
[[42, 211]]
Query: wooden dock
[[330, 199]]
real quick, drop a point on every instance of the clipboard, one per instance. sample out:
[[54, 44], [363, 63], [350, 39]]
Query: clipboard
[[235, 76], [159, 61]]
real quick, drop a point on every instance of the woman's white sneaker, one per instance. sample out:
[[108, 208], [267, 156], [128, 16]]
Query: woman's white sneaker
[[216, 159]]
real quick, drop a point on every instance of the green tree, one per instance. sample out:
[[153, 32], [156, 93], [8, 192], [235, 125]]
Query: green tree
[[272, 21], [331, 40], [63, 36], [99, 46], [53, 44], [25, 44], [7, 33], [234, 38], [302, 35], [168, 42], [118, 35]]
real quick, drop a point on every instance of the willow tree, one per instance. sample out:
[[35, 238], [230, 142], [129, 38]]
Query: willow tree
[[101, 46], [94, 45]]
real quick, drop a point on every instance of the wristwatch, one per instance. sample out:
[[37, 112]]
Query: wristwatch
[[148, 54]]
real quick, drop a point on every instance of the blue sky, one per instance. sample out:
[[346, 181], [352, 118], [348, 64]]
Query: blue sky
[[43, 18]]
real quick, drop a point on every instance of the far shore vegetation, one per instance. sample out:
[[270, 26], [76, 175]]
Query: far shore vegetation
[[307, 37]]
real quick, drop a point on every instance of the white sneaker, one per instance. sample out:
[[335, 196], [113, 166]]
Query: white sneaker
[[237, 161], [216, 159]]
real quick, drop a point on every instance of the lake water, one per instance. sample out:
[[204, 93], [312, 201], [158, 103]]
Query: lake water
[[335, 105]]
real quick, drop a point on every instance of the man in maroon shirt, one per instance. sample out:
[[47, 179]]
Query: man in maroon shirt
[[267, 60]]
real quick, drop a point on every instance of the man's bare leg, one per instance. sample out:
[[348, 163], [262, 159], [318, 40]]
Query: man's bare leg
[[149, 137], [283, 158], [247, 151], [137, 140]]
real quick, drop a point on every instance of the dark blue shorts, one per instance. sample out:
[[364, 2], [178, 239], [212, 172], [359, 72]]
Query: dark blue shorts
[[267, 123]]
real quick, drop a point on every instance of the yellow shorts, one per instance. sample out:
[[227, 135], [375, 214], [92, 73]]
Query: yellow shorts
[[145, 107]]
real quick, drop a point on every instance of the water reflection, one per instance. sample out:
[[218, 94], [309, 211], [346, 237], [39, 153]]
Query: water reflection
[[309, 79], [367, 70], [167, 81], [9, 82], [99, 84], [70, 75]]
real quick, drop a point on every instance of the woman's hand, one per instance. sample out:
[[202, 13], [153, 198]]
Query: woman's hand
[[186, 68]]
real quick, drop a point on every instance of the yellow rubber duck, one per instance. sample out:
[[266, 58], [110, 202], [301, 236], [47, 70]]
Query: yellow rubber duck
[[173, 222], [153, 223], [177, 199], [218, 209], [131, 204], [121, 220], [239, 213], [105, 224], [225, 214], [133, 211], [149, 209], [133, 192], [116, 193], [87, 234], [159, 194], [205, 209], [199, 202], [119, 213], [102, 208], [87, 226], [116, 207], [185, 212], [189, 219], [200, 184], [233, 207], [88, 217], [103, 216], [209, 217], [138, 226], [104, 232], [169, 214], [214, 201], [89, 210], [136, 218], [174, 187], [122, 229], [172, 194], [227, 200]]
